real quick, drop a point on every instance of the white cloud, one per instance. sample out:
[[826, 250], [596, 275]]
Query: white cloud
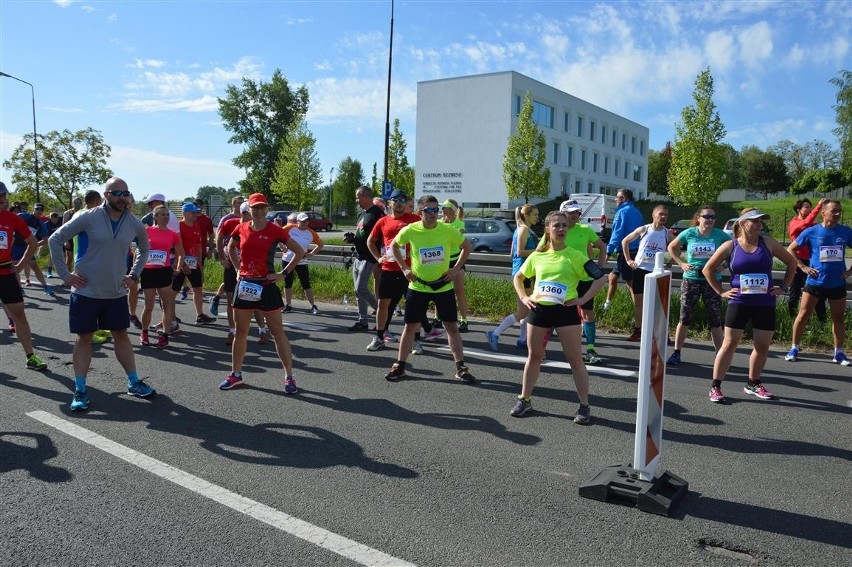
[[153, 63], [206, 103], [60, 109], [720, 50], [796, 56], [755, 44], [63, 3]]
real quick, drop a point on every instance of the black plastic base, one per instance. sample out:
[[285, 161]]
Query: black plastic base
[[621, 484]]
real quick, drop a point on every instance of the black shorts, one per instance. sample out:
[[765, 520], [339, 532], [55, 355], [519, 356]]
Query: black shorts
[[194, 276], [87, 315], [10, 289], [393, 285], [623, 269], [582, 288], [270, 300], [230, 280], [301, 270], [639, 280], [156, 278], [554, 316], [762, 317], [417, 302], [829, 293]]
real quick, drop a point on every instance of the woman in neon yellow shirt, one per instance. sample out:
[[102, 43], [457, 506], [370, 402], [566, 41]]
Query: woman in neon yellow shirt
[[454, 216], [553, 304]]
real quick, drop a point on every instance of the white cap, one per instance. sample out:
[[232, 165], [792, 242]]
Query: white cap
[[753, 215], [155, 197], [570, 206], [302, 217], [244, 208]]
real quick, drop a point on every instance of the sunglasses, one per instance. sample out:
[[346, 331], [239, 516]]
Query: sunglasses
[[120, 193], [431, 210], [400, 200], [709, 217]]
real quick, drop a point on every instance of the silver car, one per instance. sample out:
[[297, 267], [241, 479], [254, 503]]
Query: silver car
[[489, 234]]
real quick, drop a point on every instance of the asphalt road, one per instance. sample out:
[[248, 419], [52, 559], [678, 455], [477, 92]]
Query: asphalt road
[[428, 471]]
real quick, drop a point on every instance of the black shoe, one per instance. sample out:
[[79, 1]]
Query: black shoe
[[463, 327], [359, 326], [396, 372], [464, 375]]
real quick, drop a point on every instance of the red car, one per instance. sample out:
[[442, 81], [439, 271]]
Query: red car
[[317, 222]]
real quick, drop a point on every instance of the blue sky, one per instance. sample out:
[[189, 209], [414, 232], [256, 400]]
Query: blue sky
[[147, 73]]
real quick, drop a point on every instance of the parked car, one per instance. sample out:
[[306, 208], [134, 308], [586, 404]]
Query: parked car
[[729, 228], [679, 227], [278, 215], [317, 222], [489, 234]]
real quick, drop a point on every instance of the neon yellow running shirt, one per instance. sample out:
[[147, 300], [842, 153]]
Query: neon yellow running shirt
[[430, 252], [556, 274]]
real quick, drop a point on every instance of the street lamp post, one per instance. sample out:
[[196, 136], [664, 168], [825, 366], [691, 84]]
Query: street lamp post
[[35, 135]]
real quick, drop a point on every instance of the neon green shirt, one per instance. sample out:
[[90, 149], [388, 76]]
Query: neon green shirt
[[430, 252], [458, 225], [579, 237], [556, 274]]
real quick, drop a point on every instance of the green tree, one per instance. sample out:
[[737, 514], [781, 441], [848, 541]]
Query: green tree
[[298, 174], [764, 172], [659, 164], [350, 175], [733, 166], [821, 181], [524, 173], [699, 171], [69, 162], [399, 169], [843, 116], [208, 191], [794, 156], [260, 115]]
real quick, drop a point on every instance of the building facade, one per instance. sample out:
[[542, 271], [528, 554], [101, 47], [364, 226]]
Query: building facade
[[463, 129]]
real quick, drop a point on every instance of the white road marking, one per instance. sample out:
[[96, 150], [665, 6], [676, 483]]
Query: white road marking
[[475, 352], [294, 526], [304, 326]]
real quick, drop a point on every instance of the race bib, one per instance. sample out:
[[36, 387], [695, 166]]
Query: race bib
[[753, 284], [157, 257], [554, 292], [248, 291], [649, 255], [191, 262], [702, 250], [430, 256], [4, 240], [830, 254], [387, 252]]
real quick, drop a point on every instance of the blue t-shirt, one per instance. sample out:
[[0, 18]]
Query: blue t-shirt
[[37, 229], [699, 249], [828, 253]]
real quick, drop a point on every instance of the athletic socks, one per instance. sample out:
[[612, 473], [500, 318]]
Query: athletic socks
[[505, 324]]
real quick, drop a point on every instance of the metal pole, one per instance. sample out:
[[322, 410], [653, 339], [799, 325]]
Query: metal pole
[[387, 112], [35, 135]]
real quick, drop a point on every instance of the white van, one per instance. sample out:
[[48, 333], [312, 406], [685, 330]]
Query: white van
[[598, 210]]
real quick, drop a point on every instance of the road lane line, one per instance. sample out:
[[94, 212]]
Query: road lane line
[[286, 523], [477, 353]]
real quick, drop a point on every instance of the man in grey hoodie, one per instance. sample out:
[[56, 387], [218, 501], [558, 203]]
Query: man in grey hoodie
[[99, 283]]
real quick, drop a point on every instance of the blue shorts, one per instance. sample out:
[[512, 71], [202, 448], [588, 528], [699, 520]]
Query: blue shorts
[[87, 315]]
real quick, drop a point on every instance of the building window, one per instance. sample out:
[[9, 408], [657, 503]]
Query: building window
[[626, 166], [577, 186], [556, 152], [623, 142], [592, 127], [603, 134], [614, 136], [642, 148], [633, 145], [518, 104], [606, 165], [595, 162], [542, 114], [570, 156], [637, 173], [580, 126], [615, 171], [566, 124], [583, 160], [591, 187]]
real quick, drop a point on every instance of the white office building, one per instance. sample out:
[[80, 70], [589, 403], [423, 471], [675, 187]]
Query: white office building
[[463, 128]]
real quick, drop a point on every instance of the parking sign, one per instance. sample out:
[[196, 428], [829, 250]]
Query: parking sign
[[387, 189]]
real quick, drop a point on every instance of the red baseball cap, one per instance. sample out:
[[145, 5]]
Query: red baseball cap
[[257, 199]]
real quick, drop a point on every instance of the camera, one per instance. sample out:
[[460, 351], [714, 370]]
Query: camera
[[349, 237]]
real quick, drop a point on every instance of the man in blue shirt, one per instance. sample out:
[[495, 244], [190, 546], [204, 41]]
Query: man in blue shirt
[[627, 219], [827, 274]]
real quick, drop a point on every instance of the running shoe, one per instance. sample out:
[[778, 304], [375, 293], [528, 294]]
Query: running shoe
[[359, 326], [464, 375], [11, 326], [230, 339], [232, 381], [435, 334], [389, 337], [264, 339], [287, 309], [398, 311], [375, 344], [144, 339], [636, 336], [493, 340], [141, 390], [314, 310], [134, 320], [591, 357], [607, 304], [522, 407], [49, 274], [758, 390], [214, 305], [396, 372], [290, 386], [417, 347], [841, 359], [35, 363], [463, 326], [716, 395], [184, 293], [584, 415], [98, 338], [49, 291], [520, 344], [792, 356], [27, 283], [80, 401], [674, 359], [162, 341], [204, 319]]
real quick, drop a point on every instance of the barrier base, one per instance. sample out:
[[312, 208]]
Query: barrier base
[[621, 484]]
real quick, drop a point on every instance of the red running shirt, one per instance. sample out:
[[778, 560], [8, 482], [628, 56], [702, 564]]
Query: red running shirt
[[257, 248], [192, 239], [162, 241], [10, 223], [385, 230]]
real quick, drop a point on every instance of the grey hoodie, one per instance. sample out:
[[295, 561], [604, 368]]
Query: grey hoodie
[[103, 262]]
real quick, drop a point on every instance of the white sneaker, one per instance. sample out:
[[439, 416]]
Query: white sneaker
[[376, 344], [607, 304], [434, 334], [417, 348]]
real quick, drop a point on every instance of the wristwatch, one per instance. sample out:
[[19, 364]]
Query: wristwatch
[[784, 287]]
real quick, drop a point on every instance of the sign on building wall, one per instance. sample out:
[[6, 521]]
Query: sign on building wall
[[442, 183]]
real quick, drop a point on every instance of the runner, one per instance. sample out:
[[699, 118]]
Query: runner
[[309, 241], [557, 269], [627, 218], [156, 278], [430, 278], [11, 294], [701, 241], [453, 215], [76, 205], [750, 299], [805, 217], [256, 242], [194, 247], [99, 283], [827, 274], [220, 241], [54, 221], [364, 265], [39, 231]]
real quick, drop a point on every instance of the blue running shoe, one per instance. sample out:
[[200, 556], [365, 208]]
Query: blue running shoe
[[214, 305], [141, 390], [80, 402], [49, 291], [493, 340], [841, 359], [232, 381], [520, 344], [793, 355], [674, 359], [290, 385]]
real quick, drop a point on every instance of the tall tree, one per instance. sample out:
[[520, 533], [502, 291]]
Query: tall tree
[[69, 162], [260, 115], [764, 172], [399, 169], [524, 173], [794, 156], [298, 174], [733, 167], [821, 155], [843, 116], [699, 171], [350, 175], [659, 164], [822, 181]]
